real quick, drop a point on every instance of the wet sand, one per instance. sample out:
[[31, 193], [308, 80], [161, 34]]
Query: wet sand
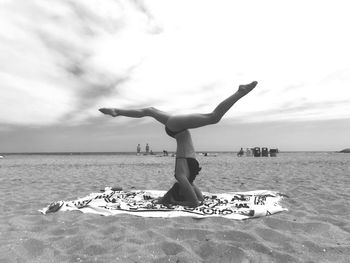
[[315, 229]]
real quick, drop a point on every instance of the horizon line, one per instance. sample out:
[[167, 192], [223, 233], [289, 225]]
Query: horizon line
[[142, 153]]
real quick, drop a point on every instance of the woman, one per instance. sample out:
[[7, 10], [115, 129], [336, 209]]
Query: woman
[[184, 192]]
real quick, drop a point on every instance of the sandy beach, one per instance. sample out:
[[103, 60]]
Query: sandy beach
[[315, 229]]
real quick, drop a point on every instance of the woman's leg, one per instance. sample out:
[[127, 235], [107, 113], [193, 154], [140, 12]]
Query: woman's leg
[[190, 121], [159, 115]]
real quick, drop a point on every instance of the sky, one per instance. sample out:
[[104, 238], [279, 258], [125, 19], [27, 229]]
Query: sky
[[62, 60]]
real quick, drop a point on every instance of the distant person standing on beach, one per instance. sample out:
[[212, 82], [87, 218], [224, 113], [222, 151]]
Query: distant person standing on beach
[[147, 148], [184, 192], [138, 149]]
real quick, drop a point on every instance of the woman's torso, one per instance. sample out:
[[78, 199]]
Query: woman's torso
[[185, 147]]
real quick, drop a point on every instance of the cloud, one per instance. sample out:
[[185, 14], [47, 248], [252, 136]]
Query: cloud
[[66, 57], [61, 60], [299, 111], [153, 26], [55, 55]]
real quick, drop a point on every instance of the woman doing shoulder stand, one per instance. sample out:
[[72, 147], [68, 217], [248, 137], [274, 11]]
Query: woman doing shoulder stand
[[184, 192]]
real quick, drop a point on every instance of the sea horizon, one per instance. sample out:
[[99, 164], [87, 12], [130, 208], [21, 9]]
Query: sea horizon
[[144, 153]]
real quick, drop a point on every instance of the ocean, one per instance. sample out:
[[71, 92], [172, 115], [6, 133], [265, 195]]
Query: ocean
[[315, 229]]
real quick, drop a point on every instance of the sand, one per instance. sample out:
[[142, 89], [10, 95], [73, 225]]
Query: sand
[[315, 229]]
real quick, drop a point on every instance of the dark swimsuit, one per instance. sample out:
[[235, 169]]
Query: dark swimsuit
[[192, 163], [171, 133], [193, 166]]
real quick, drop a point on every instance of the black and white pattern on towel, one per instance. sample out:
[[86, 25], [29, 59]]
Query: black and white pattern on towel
[[239, 205]]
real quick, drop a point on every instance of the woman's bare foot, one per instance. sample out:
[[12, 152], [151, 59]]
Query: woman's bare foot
[[245, 89], [109, 111]]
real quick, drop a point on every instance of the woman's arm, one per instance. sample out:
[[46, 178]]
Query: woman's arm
[[198, 193]]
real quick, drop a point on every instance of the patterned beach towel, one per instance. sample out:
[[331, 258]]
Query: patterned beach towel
[[238, 205]]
